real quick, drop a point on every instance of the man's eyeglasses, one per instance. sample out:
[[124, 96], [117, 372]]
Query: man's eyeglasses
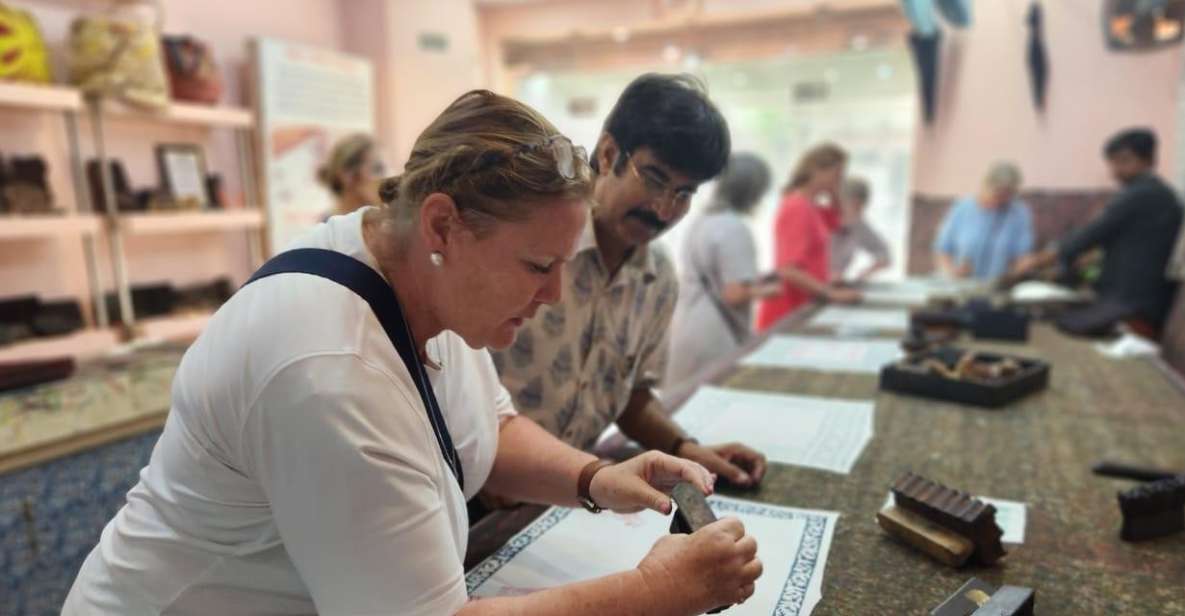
[[660, 188]]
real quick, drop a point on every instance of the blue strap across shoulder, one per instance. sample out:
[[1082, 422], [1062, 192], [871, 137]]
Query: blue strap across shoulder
[[370, 286]]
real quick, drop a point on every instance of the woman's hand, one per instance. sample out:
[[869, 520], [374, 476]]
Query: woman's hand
[[645, 481], [840, 295], [713, 567]]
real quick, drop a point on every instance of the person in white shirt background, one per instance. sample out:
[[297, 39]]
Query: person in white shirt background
[[301, 468]]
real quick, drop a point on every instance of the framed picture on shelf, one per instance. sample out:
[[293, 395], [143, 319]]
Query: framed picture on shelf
[[182, 169]]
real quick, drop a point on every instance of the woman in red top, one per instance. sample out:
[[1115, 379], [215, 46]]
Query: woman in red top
[[807, 216]]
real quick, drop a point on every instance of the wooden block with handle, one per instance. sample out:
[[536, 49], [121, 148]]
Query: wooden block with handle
[[945, 546]]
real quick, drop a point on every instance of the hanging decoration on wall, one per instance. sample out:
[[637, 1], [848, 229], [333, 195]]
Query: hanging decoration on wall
[[920, 14], [956, 12], [925, 56], [1137, 25], [1038, 59], [925, 42]]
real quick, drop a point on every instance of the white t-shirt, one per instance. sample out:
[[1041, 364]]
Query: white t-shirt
[[298, 471]]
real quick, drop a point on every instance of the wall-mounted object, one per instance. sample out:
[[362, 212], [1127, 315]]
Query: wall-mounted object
[[1037, 58], [1139, 25], [926, 50]]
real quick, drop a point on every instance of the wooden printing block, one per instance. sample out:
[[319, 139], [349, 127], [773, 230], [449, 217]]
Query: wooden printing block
[[945, 546], [957, 513], [978, 598], [1153, 509], [691, 514]]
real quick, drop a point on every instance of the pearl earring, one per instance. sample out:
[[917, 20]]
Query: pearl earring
[[436, 258]]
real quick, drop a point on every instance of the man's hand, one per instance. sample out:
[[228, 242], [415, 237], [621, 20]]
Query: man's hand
[[740, 465], [963, 269], [1027, 264]]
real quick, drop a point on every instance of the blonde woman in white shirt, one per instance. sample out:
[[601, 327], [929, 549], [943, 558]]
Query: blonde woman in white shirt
[[324, 437]]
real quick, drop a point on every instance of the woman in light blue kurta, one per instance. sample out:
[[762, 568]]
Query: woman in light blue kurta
[[983, 236]]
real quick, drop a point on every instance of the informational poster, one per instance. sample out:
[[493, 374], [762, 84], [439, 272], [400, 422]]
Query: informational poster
[[306, 98]]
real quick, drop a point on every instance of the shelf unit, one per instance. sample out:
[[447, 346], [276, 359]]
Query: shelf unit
[[191, 222], [116, 227], [46, 226], [78, 222], [175, 327]]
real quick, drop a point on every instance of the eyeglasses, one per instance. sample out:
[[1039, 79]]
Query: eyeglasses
[[660, 188], [571, 161]]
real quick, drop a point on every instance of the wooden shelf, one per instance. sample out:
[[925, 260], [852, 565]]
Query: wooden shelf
[[39, 97], [52, 97], [46, 226], [186, 113], [206, 221], [182, 327], [82, 344]]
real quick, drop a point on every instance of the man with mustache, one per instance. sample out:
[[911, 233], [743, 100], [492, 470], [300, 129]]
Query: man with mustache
[[593, 358]]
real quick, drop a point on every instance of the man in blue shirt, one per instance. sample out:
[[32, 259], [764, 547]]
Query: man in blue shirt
[[983, 236]]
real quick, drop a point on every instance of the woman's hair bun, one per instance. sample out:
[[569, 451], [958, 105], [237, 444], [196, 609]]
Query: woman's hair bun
[[389, 189]]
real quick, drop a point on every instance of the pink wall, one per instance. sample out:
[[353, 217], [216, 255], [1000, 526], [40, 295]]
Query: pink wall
[[423, 82], [986, 112], [55, 268]]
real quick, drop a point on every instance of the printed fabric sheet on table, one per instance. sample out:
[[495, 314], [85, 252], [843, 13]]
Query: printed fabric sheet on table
[[571, 545]]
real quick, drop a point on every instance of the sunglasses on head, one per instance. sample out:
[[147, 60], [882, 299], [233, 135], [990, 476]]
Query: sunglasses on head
[[571, 161]]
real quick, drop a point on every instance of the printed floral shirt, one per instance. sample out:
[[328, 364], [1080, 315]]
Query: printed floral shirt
[[573, 367]]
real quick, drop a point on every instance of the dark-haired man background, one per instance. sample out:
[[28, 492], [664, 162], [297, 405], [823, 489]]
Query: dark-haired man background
[[594, 358], [1137, 231]]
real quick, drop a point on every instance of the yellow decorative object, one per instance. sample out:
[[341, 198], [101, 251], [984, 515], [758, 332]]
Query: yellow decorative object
[[22, 50], [113, 56]]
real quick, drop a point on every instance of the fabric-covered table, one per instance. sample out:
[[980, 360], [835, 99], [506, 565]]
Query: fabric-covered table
[[1038, 450]]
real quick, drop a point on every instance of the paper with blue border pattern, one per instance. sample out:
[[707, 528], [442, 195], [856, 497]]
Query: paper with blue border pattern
[[571, 545], [860, 355]]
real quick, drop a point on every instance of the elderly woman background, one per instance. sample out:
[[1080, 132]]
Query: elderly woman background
[[718, 278], [328, 425], [984, 236]]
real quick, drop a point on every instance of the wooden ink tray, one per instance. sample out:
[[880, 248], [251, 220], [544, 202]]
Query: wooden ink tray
[[1033, 376]]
